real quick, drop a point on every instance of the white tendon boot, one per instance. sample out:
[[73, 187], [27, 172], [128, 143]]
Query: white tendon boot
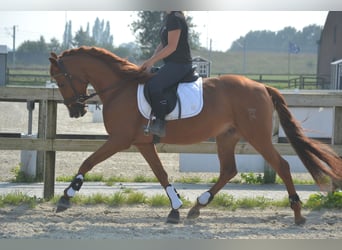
[[205, 198], [174, 197]]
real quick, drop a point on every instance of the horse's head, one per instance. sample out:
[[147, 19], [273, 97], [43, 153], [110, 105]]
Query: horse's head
[[71, 83]]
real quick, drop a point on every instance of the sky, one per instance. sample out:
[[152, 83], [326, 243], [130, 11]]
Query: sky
[[219, 27]]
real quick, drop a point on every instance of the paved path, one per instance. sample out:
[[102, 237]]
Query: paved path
[[188, 191]]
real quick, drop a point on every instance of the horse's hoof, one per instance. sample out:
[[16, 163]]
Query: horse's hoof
[[300, 221], [63, 204], [173, 217], [194, 213]]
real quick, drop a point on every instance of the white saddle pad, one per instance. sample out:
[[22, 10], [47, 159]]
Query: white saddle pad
[[190, 95]]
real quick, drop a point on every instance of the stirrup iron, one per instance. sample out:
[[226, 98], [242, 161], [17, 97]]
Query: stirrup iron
[[147, 130]]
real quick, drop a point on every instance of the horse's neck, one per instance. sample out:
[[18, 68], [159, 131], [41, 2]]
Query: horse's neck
[[112, 87], [105, 81], [101, 77]]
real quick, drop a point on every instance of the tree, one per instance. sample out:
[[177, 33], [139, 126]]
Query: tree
[[279, 41], [34, 52], [54, 45], [83, 38], [194, 36], [146, 28], [310, 37], [67, 36], [130, 50], [33, 46], [101, 34], [97, 29]]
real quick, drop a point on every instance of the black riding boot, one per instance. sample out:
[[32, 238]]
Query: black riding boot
[[160, 110], [158, 127]]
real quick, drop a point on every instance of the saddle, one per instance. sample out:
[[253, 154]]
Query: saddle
[[171, 94], [190, 95]]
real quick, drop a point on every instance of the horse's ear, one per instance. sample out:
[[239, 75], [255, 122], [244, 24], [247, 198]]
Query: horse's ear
[[54, 55], [53, 61], [53, 58]]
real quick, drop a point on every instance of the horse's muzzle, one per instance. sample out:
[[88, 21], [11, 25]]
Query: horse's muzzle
[[77, 110]]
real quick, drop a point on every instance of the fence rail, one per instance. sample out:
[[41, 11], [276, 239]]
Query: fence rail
[[301, 81], [24, 78], [48, 142]]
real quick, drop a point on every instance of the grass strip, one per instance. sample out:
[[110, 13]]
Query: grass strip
[[131, 197]]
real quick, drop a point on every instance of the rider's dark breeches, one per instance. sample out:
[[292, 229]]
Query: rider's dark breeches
[[165, 78]]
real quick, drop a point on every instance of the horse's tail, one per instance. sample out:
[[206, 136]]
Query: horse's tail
[[319, 159]]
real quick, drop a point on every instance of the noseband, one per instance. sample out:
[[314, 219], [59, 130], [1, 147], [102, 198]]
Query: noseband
[[77, 98]]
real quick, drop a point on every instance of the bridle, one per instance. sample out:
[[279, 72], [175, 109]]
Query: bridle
[[77, 98]]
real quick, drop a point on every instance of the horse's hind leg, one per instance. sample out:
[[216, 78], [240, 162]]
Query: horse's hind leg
[[282, 168], [225, 149]]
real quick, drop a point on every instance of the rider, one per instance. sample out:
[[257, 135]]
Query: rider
[[174, 50]]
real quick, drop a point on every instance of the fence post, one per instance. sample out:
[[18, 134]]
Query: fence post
[[301, 82], [41, 135], [50, 156]]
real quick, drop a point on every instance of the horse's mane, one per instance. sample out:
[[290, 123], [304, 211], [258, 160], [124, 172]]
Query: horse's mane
[[127, 70]]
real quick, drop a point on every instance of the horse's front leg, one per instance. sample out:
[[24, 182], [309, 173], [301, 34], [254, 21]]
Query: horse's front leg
[[104, 152], [150, 154], [64, 202]]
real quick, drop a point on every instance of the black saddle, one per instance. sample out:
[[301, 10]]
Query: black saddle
[[170, 94]]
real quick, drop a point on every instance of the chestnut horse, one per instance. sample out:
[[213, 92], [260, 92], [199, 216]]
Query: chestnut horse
[[235, 107]]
